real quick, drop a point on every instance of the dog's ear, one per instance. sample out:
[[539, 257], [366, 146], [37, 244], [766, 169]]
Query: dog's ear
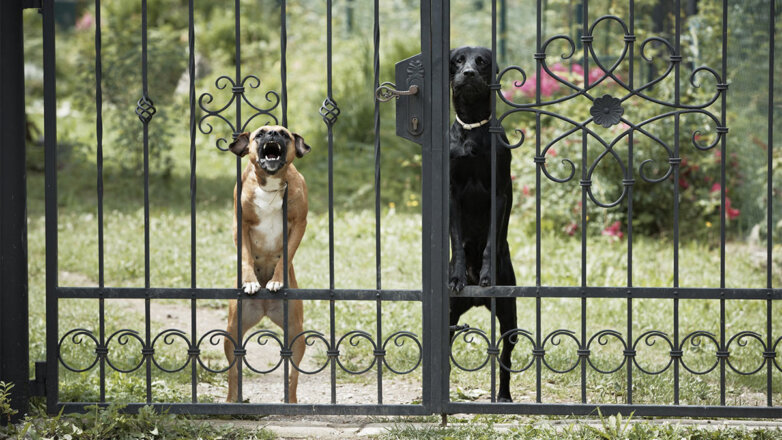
[[301, 147], [240, 145]]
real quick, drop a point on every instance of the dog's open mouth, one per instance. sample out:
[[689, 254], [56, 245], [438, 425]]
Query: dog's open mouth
[[271, 151], [270, 156]]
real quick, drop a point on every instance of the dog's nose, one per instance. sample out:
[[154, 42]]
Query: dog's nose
[[469, 72], [271, 133]]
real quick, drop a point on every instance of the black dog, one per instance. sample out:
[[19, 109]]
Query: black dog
[[470, 198]]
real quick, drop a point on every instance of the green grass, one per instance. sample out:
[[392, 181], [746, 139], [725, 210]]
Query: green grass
[[110, 423], [355, 261], [608, 428]]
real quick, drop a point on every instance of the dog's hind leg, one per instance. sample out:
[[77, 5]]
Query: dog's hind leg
[[506, 313], [457, 267], [252, 313], [295, 328]]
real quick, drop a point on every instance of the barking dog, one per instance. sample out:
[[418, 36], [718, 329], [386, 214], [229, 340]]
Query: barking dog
[[470, 198], [268, 174]]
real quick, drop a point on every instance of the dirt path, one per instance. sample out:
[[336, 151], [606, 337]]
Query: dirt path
[[268, 388]]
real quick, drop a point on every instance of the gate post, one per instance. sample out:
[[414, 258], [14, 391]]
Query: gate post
[[435, 40], [14, 343]]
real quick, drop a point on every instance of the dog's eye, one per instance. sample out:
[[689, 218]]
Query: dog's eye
[[460, 60], [480, 61]]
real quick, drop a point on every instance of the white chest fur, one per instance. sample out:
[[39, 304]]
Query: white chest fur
[[267, 203]]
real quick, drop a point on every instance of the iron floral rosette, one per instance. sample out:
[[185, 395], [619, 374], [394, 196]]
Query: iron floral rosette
[[607, 111]]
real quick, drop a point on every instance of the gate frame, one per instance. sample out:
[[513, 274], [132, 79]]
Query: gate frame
[[14, 322], [435, 48]]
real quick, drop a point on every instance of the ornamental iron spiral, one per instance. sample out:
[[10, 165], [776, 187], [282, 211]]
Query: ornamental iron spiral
[[80, 337], [238, 96], [608, 110]]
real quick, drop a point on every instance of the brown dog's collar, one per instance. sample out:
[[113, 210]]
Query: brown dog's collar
[[467, 126]]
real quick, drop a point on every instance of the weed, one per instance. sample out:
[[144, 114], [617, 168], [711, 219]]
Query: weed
[[6, 412]]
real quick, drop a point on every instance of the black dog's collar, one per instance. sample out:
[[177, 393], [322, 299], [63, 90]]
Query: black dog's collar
[[467, 126]]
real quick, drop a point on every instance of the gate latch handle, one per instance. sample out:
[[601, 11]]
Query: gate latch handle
[[388, 90]]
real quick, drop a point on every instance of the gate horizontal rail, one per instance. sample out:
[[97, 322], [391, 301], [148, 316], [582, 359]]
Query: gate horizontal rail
[[260, 408], [205, 293], [703, 293], [621, 292], [640, 410]]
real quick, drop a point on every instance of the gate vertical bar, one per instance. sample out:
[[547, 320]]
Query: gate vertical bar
[[770, 202], [674, 162], [628, 182], [99, 163], [286, 337], [145, 121], [330, 124], [193, 250], [238, 352], [50, 182], [435, 39], [493, 210], [722, 354], [14, 344], [539, 163], [378, 257], [586, 39]]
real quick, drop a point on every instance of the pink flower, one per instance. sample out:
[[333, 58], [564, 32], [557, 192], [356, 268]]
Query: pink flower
[[615, 230], [715, 188], [548, 84], [85, 22], [552, 152], [683, 184], [577, 69], [732, 213], [595, 74], [571, 228], [525, 190]]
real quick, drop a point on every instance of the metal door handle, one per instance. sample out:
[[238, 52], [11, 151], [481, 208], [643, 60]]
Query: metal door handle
[[388, 90]]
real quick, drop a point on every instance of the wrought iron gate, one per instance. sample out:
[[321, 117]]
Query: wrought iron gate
[[431, 128]]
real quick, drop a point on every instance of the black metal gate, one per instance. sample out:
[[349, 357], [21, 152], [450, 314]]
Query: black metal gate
[[428, 120]]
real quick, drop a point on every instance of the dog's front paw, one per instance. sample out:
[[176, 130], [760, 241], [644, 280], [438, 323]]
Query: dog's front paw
[[457, 282], [274, 286], [485, 279], [251, 287]]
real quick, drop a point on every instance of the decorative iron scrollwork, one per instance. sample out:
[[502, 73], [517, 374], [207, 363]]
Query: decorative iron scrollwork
[[145, 109], [193, 349], [608, 111], [237, 97], [690, 343], [329, 111]]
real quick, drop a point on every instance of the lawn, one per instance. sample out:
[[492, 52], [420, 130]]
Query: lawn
[[355, 261]]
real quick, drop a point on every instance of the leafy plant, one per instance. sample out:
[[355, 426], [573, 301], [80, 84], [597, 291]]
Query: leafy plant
[[612, 427]]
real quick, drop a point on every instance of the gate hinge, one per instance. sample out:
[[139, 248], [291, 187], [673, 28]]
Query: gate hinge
[[32, 4], [38, 384]]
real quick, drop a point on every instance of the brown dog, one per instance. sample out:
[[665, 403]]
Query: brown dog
[[271, 150]]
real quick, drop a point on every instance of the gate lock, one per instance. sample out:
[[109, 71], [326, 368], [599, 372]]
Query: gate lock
[[408, 73]]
